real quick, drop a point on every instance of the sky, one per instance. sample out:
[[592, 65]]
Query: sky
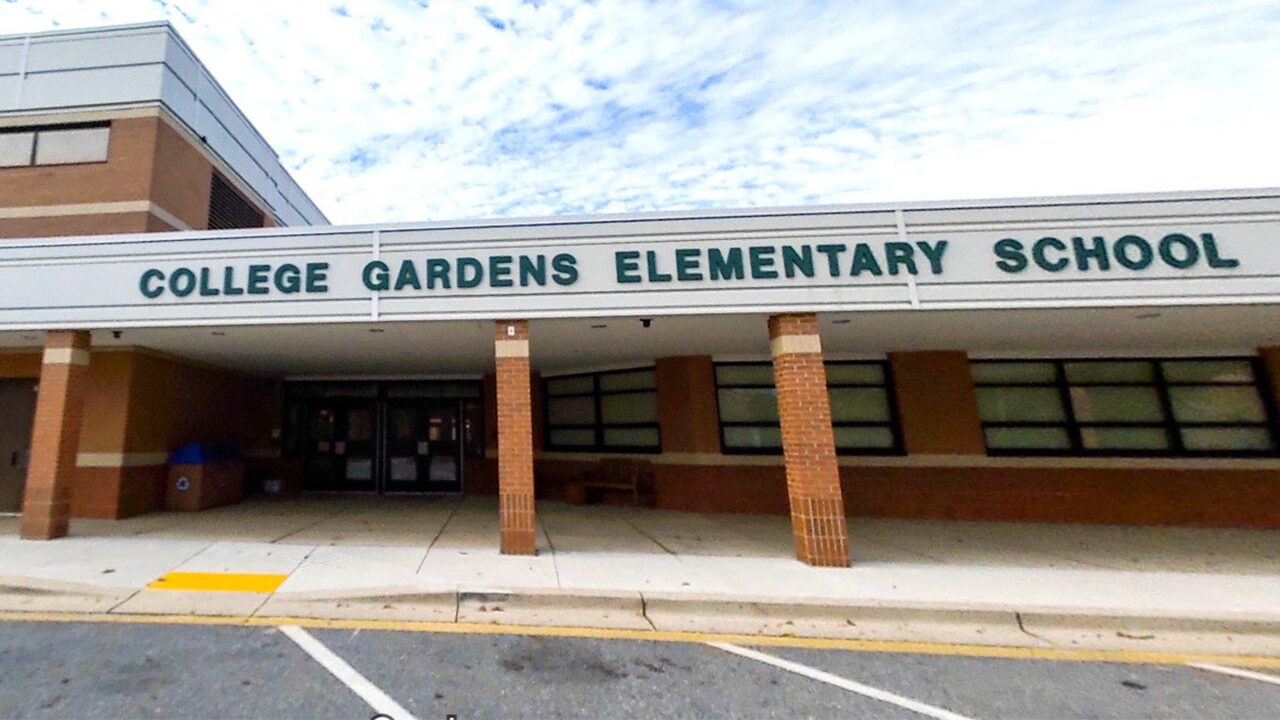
[[433, 110]]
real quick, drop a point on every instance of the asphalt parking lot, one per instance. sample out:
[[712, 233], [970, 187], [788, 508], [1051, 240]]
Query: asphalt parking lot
[[97, 670]]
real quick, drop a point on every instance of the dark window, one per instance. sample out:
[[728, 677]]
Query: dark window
[[863, 412], [1176, 406], [602, 412], [228, 210]]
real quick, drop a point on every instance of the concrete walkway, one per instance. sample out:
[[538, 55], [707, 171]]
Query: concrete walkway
[[436, 559]]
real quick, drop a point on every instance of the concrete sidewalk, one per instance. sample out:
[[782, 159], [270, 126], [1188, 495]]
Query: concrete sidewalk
[[437, 560]]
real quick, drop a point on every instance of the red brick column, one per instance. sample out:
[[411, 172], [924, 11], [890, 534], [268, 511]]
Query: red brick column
[[808, 443], [515, 438], [55, 435]]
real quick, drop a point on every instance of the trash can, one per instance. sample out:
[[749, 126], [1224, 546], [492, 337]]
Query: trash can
[[204, 475]]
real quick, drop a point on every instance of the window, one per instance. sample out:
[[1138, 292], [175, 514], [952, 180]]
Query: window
[[862, 408], [1123, 407], [54, 145], [602, 412], [228, 210]]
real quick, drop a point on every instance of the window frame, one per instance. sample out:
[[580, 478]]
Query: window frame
[[894, 423], [1169, 423], [599, 427], [38, 130]]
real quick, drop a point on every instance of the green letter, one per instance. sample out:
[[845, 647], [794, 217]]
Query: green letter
[[148, 291], [566, 269], [533, 269], [317, 273], [1037, 253], [933, 253], [725, 266], [627, 264], [762, 261], [228, 287], [477, 272], [651, 258], [408, 276], [288, 279], [1012, 259], [377, 276], [1211, 253], [864, 261], [1191, 252], [1145, 253], [801, 260], [499, 269], [437, 269], [205, 288], [182, 282], [259, 276], [899, 253], [1097, 252], [833, 257], [687, 261]]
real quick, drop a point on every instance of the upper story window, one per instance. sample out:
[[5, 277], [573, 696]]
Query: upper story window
[[229, 210], [613, 411], [863, 416], [54, 144], [1123, 407]]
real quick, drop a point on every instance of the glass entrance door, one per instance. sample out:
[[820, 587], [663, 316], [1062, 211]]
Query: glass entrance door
[[342, 445], [423, 448]]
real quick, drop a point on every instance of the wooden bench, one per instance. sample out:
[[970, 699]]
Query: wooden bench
[[614, 474]]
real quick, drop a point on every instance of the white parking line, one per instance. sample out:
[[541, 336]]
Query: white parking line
[[1238, 672], [851, 686], [359, 684]]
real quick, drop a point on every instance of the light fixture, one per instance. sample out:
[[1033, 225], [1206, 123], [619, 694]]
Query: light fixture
[[646, 322], [599, 327], [1147, 316], [217, 333], [376, 330], [841, 321]]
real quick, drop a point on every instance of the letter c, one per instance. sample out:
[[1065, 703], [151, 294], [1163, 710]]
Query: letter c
[[151, 290]]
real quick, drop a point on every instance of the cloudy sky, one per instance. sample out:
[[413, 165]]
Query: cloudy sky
[[434, 109]]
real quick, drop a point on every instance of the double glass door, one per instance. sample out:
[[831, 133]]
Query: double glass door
[[410, 445]]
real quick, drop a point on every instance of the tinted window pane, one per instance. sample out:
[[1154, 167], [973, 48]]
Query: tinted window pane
[[753, 374], [1052, 438], [1116, 404], [572, 438], [863, 437], [859, 404], [629, 408], [753, 437], [1228, 439], [748, 405], [15, 148], [59, 147], [1139, 371], [1217, 403], [570, 385], [1124, 438], [1240, 371], [856, 374], [631, 437], [1020, 404], [639, 380], [571, 410], [1018, 373]]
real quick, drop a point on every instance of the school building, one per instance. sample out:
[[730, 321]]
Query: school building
[[164, 281]]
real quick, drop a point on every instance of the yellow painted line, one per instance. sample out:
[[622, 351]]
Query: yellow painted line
[[219, 582], [1133, 657]]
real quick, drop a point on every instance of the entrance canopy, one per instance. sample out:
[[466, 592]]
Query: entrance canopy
[[1138, 251]]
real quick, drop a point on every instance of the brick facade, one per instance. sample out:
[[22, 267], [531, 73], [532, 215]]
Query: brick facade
[[808, 442], [937, 404], [46, 506], [515, 438]]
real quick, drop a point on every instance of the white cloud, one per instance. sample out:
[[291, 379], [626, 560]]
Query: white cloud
[[396, 111]]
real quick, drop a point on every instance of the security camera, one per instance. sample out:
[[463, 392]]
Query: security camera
[[117, 334]]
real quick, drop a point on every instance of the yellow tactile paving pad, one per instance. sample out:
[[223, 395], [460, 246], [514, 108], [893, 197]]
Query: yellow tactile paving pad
[[218, 582]]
